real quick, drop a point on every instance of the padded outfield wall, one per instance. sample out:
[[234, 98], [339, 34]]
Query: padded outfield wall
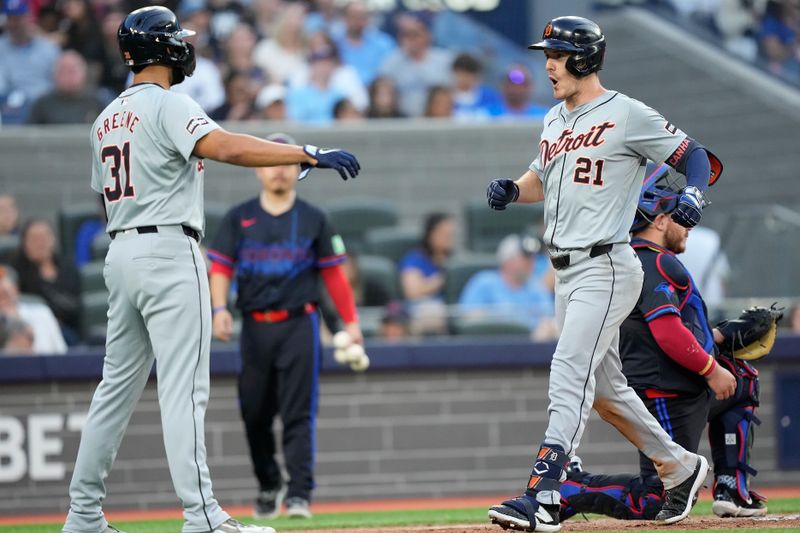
[[439, 418]]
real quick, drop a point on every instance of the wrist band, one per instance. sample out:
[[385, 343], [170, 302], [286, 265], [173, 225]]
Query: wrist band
[[215, 310]]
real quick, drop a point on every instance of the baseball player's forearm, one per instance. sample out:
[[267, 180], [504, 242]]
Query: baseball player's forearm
[[220, 286], [530, 188], [698, 169], [341, 292], [248, 151], [680, 345]]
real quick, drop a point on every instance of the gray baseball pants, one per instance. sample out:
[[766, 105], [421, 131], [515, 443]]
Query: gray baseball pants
[[159, 309]]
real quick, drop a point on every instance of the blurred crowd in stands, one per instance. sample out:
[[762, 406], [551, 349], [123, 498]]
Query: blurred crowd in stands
[[307, 61], [764, 32]]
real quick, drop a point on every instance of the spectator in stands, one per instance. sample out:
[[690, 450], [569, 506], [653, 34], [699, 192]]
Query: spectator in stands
[[707, 263], [383, 99], [779, 37], [271, 102], [439, 103], [71, 101], [205, 85], [416, 66], [344, 79], [26, 63], [345, 111], [517, 94], [363, 45], [422, 269], [473, 99], [47, 337], [239, 98], [325, 17], [737, 21], [283, 54], [17, 338], [265, 14], [78, 28], [512, 292], [42, 273], [395, 322], [9, 215], [113, 72], [314, 101], [239, 47]]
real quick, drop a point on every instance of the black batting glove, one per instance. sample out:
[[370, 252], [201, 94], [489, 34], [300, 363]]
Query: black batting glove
[[502, 192], [690, 207], [343, 162]]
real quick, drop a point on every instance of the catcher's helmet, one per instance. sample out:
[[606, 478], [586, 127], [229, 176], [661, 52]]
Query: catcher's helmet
[[153, 36], [581, 37], [660, 193]]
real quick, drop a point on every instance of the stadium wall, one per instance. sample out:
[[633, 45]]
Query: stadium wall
[[432, 419]]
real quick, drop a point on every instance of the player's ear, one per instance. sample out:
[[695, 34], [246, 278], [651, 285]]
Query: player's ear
[[662, 221]]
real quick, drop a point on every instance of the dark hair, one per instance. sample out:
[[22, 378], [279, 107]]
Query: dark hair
[[467, 63], [372, 111], [433, 92], [340, 106], [432, 221]]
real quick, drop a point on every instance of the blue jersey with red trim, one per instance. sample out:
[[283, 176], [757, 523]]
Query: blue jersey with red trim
[[276, 259], [668, 288]]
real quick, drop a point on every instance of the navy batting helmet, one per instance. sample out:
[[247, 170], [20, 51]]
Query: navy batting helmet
[[153, 36], [581, 38], [660, 193]]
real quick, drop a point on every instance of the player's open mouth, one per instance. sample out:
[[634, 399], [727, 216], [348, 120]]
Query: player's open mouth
[[554, 81]]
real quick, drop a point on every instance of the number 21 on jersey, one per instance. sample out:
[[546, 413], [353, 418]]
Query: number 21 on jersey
[[120, 161], [583, 171]]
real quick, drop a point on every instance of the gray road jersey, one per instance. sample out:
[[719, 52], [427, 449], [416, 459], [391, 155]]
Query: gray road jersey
[[143, 165], [592, 161]]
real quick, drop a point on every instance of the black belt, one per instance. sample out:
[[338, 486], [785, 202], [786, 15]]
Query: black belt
[[189, 232], [562, 261]]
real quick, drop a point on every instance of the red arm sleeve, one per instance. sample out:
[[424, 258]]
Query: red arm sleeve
[[341, 292], [680, 345]]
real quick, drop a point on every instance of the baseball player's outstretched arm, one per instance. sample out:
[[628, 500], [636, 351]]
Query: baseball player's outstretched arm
[[248, 151]]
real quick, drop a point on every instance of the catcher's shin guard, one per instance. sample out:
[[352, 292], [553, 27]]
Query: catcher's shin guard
[[620, 496], [731, 438]]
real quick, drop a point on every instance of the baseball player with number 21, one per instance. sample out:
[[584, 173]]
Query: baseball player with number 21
[[588, 172], [148, 147]]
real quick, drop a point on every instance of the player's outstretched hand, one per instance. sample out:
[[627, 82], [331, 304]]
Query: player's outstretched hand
[[721, 382], [343, 162], [502, 192], [690, 207]]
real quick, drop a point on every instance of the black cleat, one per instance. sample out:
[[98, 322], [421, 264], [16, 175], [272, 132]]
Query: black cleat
[[679, 500], [525, 514], [728, 503]]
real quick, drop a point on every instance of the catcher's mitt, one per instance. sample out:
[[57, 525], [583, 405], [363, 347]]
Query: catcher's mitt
[[752, 335]]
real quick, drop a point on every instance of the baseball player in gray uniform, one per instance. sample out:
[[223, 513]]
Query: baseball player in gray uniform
[[589, 172], [148, 147]]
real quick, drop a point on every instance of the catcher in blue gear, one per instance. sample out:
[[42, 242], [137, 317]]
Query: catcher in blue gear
[[687, 373]]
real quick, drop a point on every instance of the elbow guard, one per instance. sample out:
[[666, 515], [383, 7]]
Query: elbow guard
[[681, 155]]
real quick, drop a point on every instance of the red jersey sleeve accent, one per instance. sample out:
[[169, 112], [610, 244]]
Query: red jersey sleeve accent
[[680, 345], [219, 268], [341, 292]]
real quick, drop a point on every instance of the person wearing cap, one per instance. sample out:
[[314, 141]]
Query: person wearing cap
[[314, 101], [278, 246], [517, 92], [26, 63], [515, 291], [271, 102]]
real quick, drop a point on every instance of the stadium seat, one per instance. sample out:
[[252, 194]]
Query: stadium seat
[[8, 243], [379, 278], [487, 326], [70, 219], [95, 316], [352, 219], [485, 227], [92, 277], [214, 215], [460, 269], [390, 242]]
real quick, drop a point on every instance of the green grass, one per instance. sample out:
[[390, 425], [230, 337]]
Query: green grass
[[400, 518]]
